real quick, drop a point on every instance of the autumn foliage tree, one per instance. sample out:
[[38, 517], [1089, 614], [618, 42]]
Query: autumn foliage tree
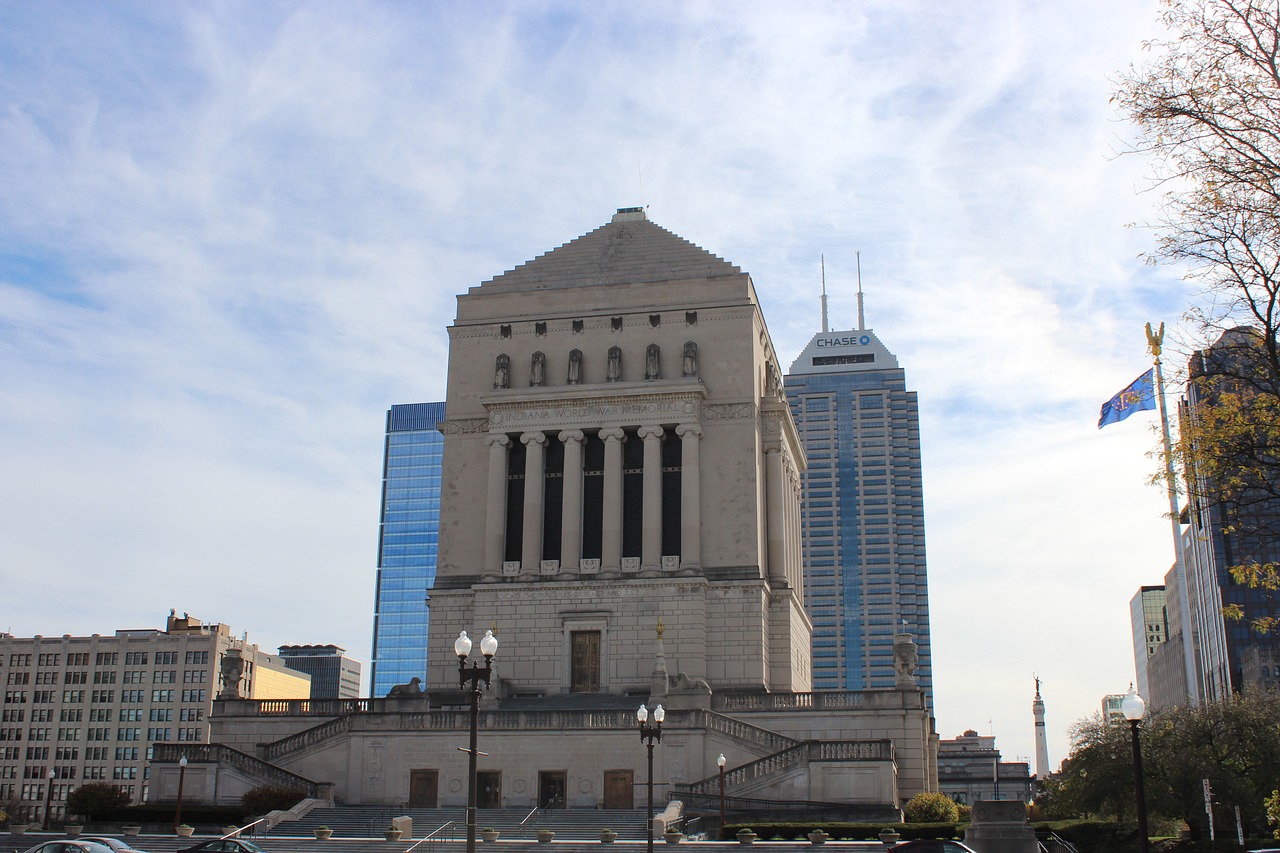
[[1207, 103]]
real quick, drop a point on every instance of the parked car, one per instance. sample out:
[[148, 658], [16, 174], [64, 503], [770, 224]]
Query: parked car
[[221, 845], [932, 845], [117, 844], [70, 845]]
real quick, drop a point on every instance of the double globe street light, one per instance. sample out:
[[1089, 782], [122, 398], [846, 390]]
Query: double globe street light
[[648, 734], [473, 675]]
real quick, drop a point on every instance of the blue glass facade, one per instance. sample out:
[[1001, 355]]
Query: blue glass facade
[[407, 540], [862, 511]]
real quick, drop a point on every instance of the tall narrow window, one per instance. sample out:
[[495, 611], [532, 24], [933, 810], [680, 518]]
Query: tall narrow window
[[585, 664]]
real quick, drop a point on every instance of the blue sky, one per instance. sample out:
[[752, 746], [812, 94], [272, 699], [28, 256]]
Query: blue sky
[[231, 235]]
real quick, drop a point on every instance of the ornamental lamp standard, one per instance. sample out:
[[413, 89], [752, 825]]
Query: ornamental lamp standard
[[473, 675], [48, 797], [182, 775], [648, 734], [720, 764], [1133, 708]]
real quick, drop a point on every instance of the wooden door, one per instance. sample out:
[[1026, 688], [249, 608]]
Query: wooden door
[[619, 789], [424, 788]]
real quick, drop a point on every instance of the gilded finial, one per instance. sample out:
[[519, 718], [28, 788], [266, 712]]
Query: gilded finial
[[660, 628], [1155, 340]]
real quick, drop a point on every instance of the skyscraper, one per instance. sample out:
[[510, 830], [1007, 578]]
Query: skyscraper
[[862, 514], [407, 542], [333, 674]]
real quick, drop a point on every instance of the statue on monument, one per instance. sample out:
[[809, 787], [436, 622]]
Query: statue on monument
[[614, 373], [690, 358], [501, 372]]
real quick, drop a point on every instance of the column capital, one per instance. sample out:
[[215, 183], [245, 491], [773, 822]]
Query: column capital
[[613, 434], [694, 430], [497, 439], [650, 431], [574, 435], [533, 438]]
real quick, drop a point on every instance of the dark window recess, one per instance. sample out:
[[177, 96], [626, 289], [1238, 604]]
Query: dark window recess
[[691, 318], [617, 324], [515, 500], [593, 498], [577, 326], [504, 331], [655, 320], [553, 500], [856, 358], [632, 495], [540, 328]]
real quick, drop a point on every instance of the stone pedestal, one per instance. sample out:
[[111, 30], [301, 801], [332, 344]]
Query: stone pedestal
[[1000, 826]]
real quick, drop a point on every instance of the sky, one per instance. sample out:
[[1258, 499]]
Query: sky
[[232, 233]]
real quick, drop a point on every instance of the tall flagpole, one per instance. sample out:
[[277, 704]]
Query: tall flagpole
[[1155, 342]]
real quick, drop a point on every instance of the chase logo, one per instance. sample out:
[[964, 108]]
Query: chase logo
[[847, 341]]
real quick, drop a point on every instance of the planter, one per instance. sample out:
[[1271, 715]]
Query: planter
[[673, 837], [73, 830], [184, 831], [323, 833], [889, 837], [545, 836], [818, 837], [489, 835], [17, 828], [392, 834], [608, 836], [130, 829], [746, 836]]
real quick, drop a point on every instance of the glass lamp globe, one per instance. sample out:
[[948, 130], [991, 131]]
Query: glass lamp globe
[[1132, 706]]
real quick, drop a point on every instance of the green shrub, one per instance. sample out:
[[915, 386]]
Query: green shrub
[[931, 807], [268, 798], [96, 800]]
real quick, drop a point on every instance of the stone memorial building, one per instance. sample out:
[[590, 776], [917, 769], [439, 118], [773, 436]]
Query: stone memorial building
[[620, 504]]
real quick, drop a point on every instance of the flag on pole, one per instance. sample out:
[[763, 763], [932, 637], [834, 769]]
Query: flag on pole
[[1140, 395]]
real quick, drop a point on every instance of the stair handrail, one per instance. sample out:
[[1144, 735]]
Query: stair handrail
[[531, 813], [430, 835]]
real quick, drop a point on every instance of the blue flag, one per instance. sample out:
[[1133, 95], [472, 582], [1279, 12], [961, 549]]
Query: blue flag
[[1141, 394]]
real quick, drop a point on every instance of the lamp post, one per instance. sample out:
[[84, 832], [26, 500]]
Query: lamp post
[[720, 764], [182, 777], [472, 676], [48, 797], [1133, 708], [648, 734]]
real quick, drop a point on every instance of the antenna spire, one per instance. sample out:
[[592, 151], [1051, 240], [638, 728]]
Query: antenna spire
[[824, 292], [862, 320]]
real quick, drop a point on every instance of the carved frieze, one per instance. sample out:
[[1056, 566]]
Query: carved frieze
[[464, 426], [651, 408]]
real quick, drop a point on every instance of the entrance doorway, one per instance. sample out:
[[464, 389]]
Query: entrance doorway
[[489, 789], [619, 789], [424, 788], [551, 788]]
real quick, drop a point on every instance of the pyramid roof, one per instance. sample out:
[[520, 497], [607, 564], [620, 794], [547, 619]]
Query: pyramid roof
[[628, 250]]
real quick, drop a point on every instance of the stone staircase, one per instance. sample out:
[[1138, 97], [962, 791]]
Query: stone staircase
[[450, 824]]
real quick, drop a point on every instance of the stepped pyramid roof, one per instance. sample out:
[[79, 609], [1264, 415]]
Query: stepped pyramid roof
[[628, 250]]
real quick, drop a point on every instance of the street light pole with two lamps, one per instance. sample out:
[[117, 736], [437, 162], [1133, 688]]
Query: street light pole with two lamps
[[1133, 708], [648, 734], [473, 675]]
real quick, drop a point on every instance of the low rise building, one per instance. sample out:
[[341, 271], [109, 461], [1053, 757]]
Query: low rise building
[[970, 769]]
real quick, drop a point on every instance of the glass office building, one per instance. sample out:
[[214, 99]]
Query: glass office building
[[862, 512], [407, 541]]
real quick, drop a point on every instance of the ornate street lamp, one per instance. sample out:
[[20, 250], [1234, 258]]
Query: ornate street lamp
[[720, 764], [1133, 708], [48, 797], [182, 776], [473, 675], [648, 734]]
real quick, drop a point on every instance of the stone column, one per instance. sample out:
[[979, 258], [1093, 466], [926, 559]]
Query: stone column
[[534, 465], [690, 498], [651, 520], [611, 525], [495, 516], [571, 512], [775, 486]]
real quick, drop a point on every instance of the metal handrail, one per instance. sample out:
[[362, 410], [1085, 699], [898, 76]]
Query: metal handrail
[[531, 813], [242, 829], [430, 835]]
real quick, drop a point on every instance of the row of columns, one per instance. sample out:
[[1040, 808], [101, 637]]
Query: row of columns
[[782, 493], [571, 510]]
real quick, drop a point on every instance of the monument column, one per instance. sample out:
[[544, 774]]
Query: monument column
[[534, 463], [651, 519], [775, 517], [571, 512], [611, 524], [690, 498], [495, 516]]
